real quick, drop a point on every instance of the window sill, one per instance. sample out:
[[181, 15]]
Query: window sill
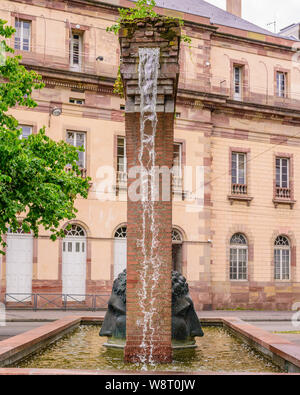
[[24, 53], [240, 198], [282, 281], [76, 69], [277, 201], [282, 98], [243, 282]]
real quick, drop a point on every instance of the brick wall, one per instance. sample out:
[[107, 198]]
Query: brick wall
[[149, 291], [160, 290]]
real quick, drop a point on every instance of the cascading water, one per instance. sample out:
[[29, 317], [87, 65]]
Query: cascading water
[[149, 274]]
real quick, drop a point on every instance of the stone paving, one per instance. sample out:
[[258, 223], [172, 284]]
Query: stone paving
[[16, 328], [20, 321], [46, 315], [280, 326], [249, 315]]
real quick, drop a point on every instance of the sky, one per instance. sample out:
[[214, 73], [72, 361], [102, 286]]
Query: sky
[[262, 12]]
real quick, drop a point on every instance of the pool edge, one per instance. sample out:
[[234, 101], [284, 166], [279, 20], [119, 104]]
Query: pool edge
[[281, 351]]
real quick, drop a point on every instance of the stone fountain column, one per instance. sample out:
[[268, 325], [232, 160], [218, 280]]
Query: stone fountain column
[[149, 293]]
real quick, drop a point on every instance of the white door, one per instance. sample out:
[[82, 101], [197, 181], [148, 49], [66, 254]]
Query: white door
[[120, 256], [74, 267], [19, 256]]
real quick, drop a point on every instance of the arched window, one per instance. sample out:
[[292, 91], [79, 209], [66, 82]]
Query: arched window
[[176, 237], [75, 231], [177, 250], [238, 257], [19, 231], [282, 258], [19, 265], [120, 250], [121, 233], [74, 263]]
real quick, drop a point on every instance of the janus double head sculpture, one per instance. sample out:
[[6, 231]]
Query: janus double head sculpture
[[185, 323]]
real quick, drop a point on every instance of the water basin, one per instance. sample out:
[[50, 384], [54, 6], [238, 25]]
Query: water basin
[[217, 351]]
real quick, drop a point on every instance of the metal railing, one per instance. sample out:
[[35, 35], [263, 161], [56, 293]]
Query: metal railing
[[83, 171], [177, 183], [177, 187], [121, 180], [56, 301], [283, 193], [239, 189]]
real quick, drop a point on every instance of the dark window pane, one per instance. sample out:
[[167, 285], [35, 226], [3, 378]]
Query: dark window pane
[[120, 151]]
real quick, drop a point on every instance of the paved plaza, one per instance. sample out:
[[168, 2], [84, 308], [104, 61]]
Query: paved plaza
[[20, 321]]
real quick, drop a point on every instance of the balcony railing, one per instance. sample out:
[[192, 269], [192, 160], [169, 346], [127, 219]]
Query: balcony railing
[[283, 193], [177, 188], [83, 171], [177, 183], [239, 189], [121, 179]]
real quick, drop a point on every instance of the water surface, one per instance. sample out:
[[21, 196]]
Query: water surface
[[217, 351]]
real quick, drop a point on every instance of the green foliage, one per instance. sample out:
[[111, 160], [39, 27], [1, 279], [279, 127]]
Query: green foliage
[[118, 86], [186, 39], [142, 9], [33, 182]]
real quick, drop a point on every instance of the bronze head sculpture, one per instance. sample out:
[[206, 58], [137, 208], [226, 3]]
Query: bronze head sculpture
[[185, 323]]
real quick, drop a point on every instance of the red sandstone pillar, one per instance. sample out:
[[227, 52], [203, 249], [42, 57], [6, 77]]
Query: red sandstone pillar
[[148, 295]]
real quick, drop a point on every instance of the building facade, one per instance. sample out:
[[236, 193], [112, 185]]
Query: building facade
[[236, 187]]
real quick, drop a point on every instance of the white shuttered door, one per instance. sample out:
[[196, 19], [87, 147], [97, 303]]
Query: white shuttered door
[[120, 254], [74, 264], [120, 251], [19, 256]]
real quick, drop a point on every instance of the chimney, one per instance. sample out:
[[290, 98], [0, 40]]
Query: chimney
[[234, 7]]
